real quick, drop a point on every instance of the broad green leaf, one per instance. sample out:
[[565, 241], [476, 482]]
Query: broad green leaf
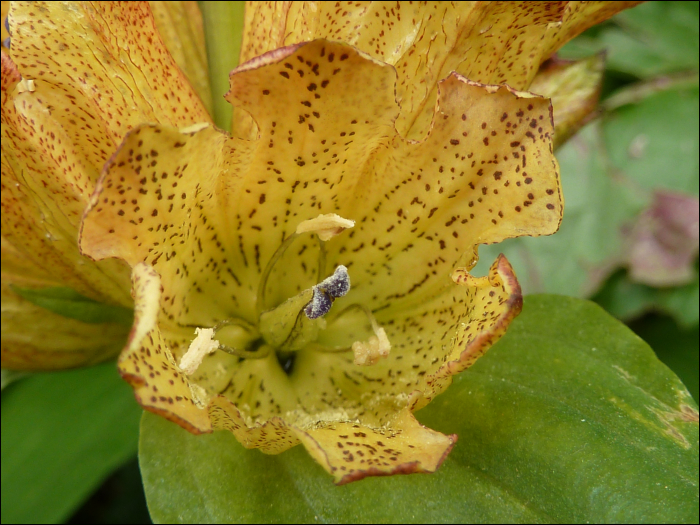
[[676, 346], [569, 418], [62, 434], [69, 303]]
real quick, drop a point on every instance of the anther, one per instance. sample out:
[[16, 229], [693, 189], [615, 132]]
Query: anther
[[325, 292], [370, 351], [367, 352], [203, 345], [326, 226]]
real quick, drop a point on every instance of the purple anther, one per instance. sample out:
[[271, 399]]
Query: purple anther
[[319, 305], [338, 284]]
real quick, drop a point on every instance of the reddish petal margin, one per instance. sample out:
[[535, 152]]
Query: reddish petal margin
[[499, 297], [352, 451]]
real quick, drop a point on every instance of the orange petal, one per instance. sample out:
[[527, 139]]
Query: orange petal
[[353, 451], [4, 9], [45, 185], [104, 71], [35, 339], [106, 64]]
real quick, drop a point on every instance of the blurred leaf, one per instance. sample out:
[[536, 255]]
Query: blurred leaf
[[663, 244], [62, 434], [653, 38], [626, 300], [569, 418], [69, 303], [655, 142], [120, 499], [675, 346]]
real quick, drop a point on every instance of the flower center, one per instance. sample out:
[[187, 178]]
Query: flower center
[[298, 323]]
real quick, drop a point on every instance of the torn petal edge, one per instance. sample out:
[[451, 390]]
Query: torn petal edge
[[500, 274], [435, 447]]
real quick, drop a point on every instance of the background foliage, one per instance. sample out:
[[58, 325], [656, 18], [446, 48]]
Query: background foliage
[[69, 439]]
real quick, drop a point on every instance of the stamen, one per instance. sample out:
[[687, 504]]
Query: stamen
[[370, 351], [325, 292], [257, 350], [203, 345], [377, 346], [366, 352], [260, 351], [325, 226], [262, 285]]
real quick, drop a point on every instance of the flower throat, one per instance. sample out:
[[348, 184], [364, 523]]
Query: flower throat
[[298, 323]]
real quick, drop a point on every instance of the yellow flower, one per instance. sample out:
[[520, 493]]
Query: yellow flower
[[294, 282]]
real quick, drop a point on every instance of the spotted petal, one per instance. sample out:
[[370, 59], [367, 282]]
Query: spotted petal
[[488, 42], [181, 27], [351, 451], [80, 76], [205, 212], [363, 424], [486, 171]]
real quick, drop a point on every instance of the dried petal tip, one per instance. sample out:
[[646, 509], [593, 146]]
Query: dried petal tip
[[370, 351], [325, 226], [203, 345]]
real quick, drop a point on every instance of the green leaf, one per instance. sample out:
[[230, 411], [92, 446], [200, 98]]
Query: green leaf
[[655, 142], [675, 346], [569, 418], [651, 39], [627, 300], [69, 303], [62, 434]]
